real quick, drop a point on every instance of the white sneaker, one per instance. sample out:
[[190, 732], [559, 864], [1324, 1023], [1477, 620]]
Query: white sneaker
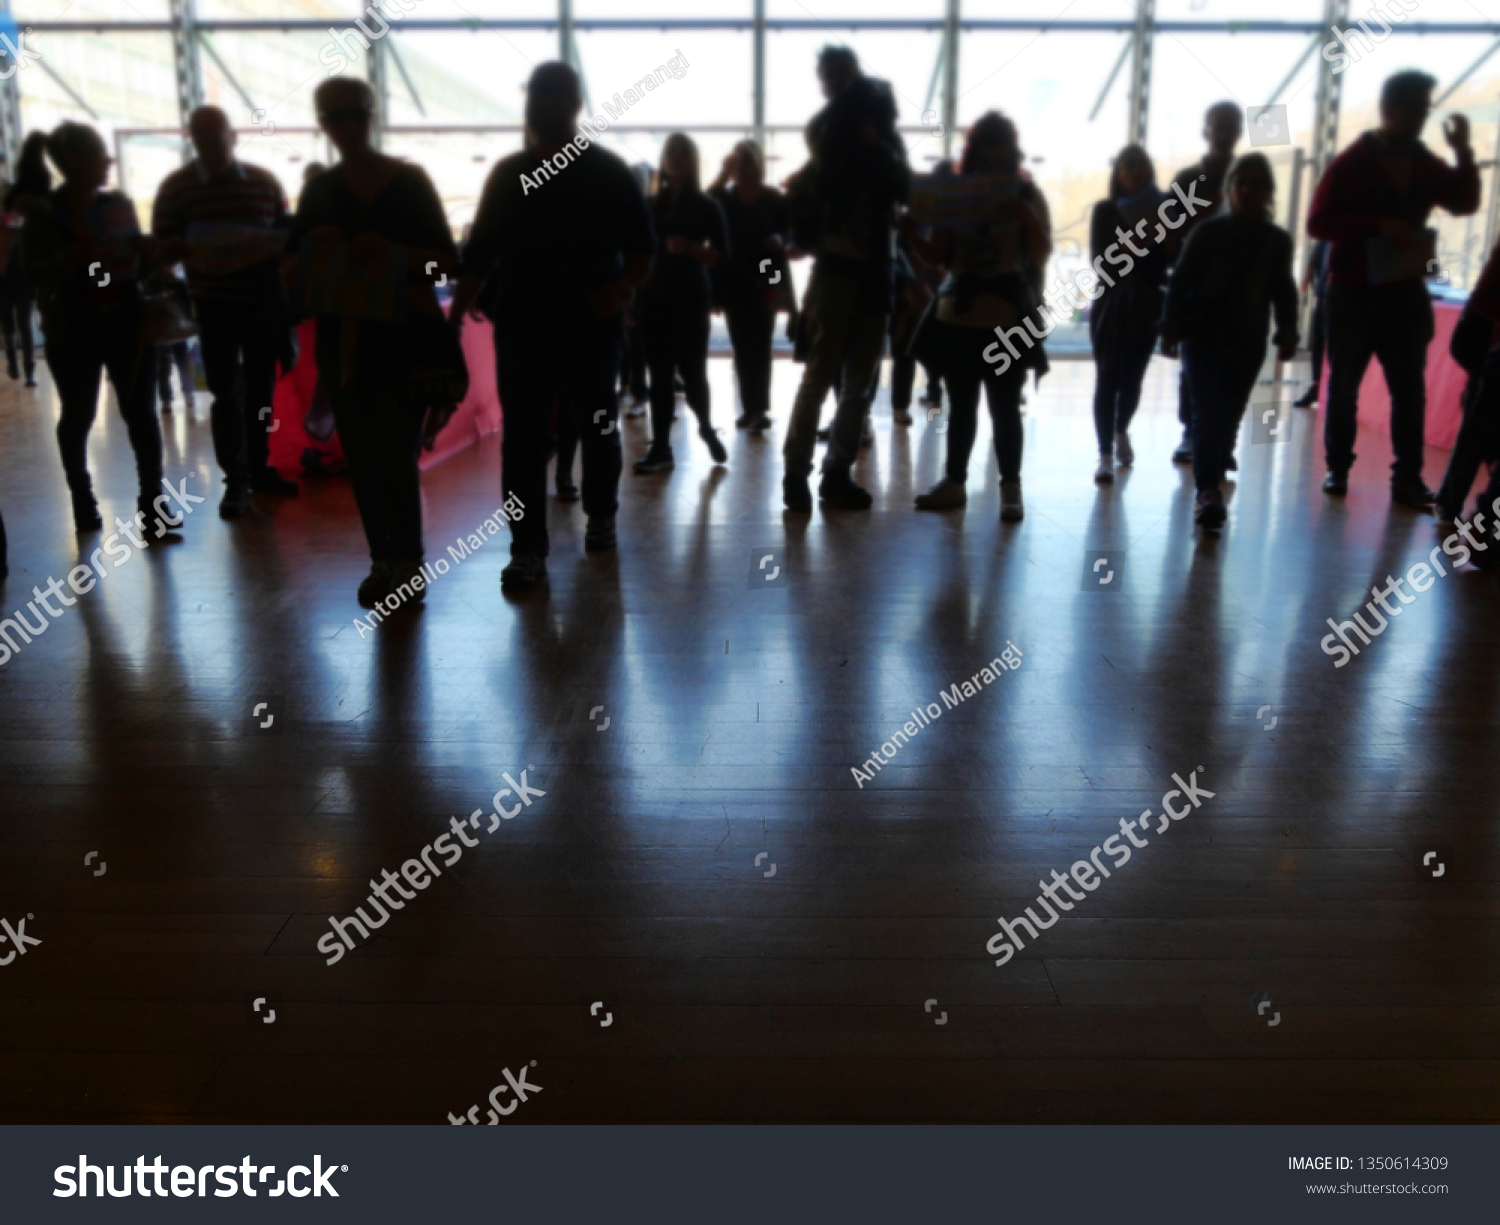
[[1104, 474], [1124, 452], [1011, 509]]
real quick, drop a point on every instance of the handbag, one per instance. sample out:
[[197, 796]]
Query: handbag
[[436, 371], [166, 313]]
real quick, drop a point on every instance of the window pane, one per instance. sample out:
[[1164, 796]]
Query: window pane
[[464, 77], [86, 10], [336, 11], [714, 89]]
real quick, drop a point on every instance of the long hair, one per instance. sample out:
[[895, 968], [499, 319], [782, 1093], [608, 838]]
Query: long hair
[[32, 175], [680, 142], [1252, 163], [991, 128], [1116, 187]]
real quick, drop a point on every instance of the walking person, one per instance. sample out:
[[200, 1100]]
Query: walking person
[[1223, 125], [674, 304], [1372, 205], [563, 236], [1234, 272], [17, 295], [633, 385], [992, 263], [366, 233], [756, 281], [1122, 321], [235, 215], [1476, 347], [81, 246], [1315, 281], [842, 206]]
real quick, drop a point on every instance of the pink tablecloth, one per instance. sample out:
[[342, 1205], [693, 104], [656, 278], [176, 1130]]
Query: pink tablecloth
[[1445, 385], [477, 416]]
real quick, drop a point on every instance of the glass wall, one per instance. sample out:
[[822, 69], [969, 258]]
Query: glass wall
[[1049, 68]]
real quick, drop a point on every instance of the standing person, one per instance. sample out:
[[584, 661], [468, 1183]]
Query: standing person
[[1315, 280], [989, 288], [564, 235], [1235, 269], [1122, 321], [843, 207], [674, 304], [365, 233], [1372, 206], [70, 240], [1223, 125], [17, 296], [757, 278], [236, 208], [633, 383], [1476, 345]]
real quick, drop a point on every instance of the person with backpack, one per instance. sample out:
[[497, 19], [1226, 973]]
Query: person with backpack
[[843, 208], [1234, 271]]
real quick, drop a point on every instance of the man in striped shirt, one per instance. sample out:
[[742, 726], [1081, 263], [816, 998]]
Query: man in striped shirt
[[222, 218]]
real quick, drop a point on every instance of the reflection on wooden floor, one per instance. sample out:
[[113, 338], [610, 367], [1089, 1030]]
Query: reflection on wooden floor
[[735, 709]]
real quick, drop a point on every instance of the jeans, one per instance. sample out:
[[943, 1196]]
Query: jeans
[[239, 354], [964, 370], [845, 338], [1394, 325], [1220, 385], [676, 338], [751, 329], [1118, 373], [92, 345], [578, 367], [381, 434], [1475, 437]]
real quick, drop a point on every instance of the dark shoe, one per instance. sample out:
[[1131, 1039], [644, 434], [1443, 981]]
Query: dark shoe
[[657, 459], [402, 570], [30, 380], [838, 489], [1336, 483], [13, 369], [1211, 513], [759, 423], [743, 421], [271, 481], [525, 570], [166, 405], [1413, 494], [86, 513], [375, 586], [567, 491], [901, 416], [824, 434], [236, 501], [796, 495], [933, 397], [710, 438], [600, 533], [157, 525], [1184, 452], [1308, 399]]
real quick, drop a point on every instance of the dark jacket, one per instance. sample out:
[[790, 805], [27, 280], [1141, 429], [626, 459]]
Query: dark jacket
[[1229, 279]]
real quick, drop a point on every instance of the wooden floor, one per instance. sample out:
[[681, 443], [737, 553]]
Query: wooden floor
[[736, 708]]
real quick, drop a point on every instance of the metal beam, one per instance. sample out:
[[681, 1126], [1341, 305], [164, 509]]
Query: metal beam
[[950, 76], [1329, 95], [1110, 80], [77, 97], [406, 77], [1317, 41], [380, 81], [758, 73], [1468, 72], [10, 109], [213, 54], [185, 64], [1142, 39]]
